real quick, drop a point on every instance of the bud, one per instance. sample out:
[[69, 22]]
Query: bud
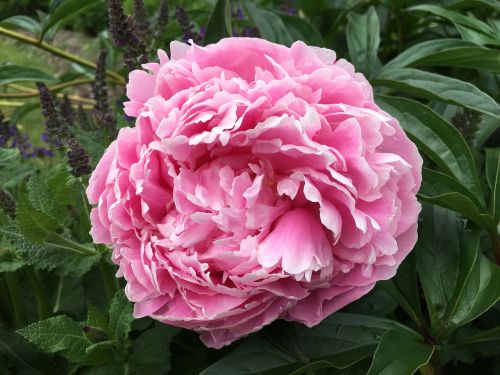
[[67, 111], [125, 36], [162, 20], [118, 24], [83, 119], [54, 122], [99, 86], [78, 159], [140, 20], [105, 122], [186, 26]]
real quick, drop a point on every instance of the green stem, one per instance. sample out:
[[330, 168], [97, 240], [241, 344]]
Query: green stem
[[16, 299], [110, 281], [57, 304], [431, 367], [42, 301], [495, 240], [57, 52], [65, 243]]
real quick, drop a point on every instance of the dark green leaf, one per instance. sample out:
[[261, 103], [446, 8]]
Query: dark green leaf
[[151, 351], [270, 25], [363, 39], [447, 192], [479, 292], [23, 358], [447, 254], [438, 87], [400, 353], [58, 334], [219, 24], [300, 29], [18, 73], [338, 341], [455, 17], [474, 4], [437, 139], [447, 52]]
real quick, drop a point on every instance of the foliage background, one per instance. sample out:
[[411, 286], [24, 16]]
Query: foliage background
[[434, 65]]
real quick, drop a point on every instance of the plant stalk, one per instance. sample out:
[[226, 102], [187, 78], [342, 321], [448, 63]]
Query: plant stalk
[[43, 305], [12, 280], [495, 240], [57, 52], [65, 243]]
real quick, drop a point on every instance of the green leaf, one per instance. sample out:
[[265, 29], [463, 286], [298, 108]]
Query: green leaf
[[438, 87], [34, 224], [151, 351], [474, 4], [99, 353], [456, 18], [487, 128], [95, 317], [24, 358], [219, 23], [65, 11], [20, 112], [49, 257], [120, 319], [400, 353], [22, 22], [447, 192], [493, 178], [9, 260], [40, 195], [363, 40], [18, 73], [447, 52], [270, 25], [479, 292], [458, 283], [9, 156], [437, 139], [300, 29], [338, 341], [58, 334]]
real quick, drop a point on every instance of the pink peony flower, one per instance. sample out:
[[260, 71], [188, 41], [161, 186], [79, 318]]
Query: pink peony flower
[[260, 182]]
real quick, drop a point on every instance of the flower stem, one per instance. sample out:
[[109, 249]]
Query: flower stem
[[431, 367], [65, 243], [16, 299], [495, 240], [41, 298], [57, 52]]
